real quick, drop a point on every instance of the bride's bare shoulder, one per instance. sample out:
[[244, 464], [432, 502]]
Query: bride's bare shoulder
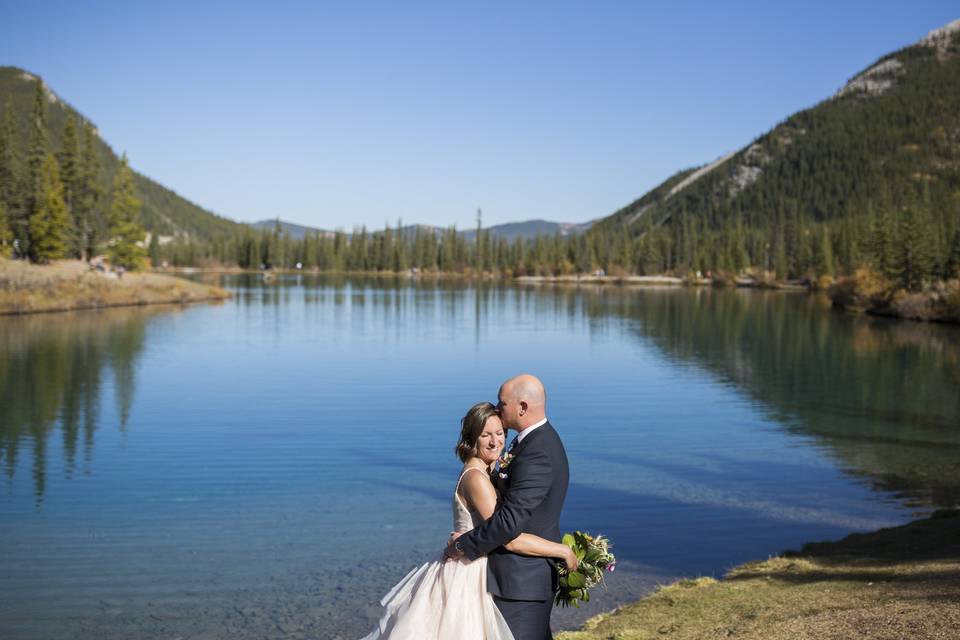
[[475, 478]]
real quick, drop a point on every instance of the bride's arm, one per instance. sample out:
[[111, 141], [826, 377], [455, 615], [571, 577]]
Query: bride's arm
[[479, 493]]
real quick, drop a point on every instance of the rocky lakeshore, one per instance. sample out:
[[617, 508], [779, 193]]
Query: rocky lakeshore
[[72, 285]]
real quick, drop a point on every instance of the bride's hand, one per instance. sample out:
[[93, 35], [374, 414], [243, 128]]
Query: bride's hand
[[570, 559]]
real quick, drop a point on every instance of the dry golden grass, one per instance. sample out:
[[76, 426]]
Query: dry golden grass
[[902, 582], [70, 284]]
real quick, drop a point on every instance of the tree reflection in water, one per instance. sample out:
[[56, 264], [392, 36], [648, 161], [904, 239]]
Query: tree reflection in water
[[53, 370], [880, 396]]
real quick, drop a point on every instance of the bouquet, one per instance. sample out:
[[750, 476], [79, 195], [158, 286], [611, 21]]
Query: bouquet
[[595, 559]]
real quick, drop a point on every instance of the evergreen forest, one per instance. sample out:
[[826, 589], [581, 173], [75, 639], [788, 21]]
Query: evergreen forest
[[868, 178]]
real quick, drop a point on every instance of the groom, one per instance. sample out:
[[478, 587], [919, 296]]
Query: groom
[[532, 486]]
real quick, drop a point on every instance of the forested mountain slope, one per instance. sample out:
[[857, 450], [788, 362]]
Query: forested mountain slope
[[884, 152], [163, 211]]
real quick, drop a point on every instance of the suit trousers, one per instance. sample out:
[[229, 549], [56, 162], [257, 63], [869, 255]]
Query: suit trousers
[[527, 619]]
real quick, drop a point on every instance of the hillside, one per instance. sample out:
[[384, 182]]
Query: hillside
[[808, 195], [164, 211]]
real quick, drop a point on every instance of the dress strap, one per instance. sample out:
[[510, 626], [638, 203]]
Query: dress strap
[[465, 473], [456, 492]]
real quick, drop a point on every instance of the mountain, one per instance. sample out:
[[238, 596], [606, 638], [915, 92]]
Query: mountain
[[295, 231], [883, 152], [527, 230], [530, 229], [164, 211]]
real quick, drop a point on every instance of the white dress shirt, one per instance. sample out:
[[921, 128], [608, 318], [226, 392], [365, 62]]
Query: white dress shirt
[[523, 434]]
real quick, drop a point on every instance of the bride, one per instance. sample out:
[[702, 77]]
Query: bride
[[448, 600]]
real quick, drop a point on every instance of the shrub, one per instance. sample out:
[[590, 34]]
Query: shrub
[[913, 306]]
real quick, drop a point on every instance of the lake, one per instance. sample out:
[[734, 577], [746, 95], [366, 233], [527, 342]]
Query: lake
[[270, 466]]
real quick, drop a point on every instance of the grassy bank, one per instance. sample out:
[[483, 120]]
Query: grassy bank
[[71, 285], [902, 582]]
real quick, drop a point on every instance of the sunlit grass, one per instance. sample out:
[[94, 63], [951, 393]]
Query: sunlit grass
[[898, 582], [66, 285]]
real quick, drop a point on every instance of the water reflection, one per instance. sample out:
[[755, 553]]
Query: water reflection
[[265, 427], [881, 396], [52, 372]]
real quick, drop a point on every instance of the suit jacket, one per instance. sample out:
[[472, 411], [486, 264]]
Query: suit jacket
[[532, 497]]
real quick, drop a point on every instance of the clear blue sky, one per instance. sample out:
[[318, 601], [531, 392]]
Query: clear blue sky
[[357, 113]]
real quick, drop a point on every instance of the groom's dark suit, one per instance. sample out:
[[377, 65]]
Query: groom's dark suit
[[532, 495]]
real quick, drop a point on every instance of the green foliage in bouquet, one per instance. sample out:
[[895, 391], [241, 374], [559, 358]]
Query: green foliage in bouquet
[[595, 559]]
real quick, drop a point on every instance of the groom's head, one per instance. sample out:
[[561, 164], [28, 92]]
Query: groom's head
[[522, 402]]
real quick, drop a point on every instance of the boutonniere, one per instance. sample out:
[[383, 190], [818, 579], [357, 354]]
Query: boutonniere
[[505, 461]]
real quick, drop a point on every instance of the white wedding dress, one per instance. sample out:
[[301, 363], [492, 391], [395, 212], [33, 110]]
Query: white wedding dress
[[444, 600]]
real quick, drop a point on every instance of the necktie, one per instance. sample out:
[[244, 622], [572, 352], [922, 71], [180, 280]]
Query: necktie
[[513, 443]]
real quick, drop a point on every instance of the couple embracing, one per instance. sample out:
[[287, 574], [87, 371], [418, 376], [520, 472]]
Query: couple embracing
[[498, 577]]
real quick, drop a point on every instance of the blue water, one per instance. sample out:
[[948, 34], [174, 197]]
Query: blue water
[[269, 466]]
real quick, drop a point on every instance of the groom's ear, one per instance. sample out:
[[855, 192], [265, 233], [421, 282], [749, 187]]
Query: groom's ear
[[523, 407]]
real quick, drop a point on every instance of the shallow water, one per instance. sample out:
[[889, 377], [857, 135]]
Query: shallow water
[[270, 466]]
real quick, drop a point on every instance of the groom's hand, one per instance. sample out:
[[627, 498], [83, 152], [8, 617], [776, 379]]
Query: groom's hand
[[451, 552]]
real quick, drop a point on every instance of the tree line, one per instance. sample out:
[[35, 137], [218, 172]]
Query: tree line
[[856, 181], [904, 246], [52, 203]]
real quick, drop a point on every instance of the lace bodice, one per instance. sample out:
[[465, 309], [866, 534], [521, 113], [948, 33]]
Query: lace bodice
[[463, 518]]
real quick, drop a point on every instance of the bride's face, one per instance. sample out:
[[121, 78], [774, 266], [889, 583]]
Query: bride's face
[[490, 442]]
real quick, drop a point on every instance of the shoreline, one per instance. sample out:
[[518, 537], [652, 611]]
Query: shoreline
[[900, 581], [70, 285], [658, 280], [870, 293]]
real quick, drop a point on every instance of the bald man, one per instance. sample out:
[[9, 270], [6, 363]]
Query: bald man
[[532, 489]]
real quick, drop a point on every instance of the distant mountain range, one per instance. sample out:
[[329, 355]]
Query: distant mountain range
[[532, 228], [164, 211], [528, 229]]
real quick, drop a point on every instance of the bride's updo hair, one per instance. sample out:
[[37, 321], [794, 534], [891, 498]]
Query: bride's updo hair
[[471, 426]]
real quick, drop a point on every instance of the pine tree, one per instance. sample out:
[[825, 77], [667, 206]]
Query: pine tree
[[9, 201], [914, 260], [952, 266], [400, 252], [741, 258], [882, 245], [6, 235], [87, 205], [70, 177], [125, 229], [825, 265], [49, 222], [8, 159], [38, 145], [850, 258], [154, 249]]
